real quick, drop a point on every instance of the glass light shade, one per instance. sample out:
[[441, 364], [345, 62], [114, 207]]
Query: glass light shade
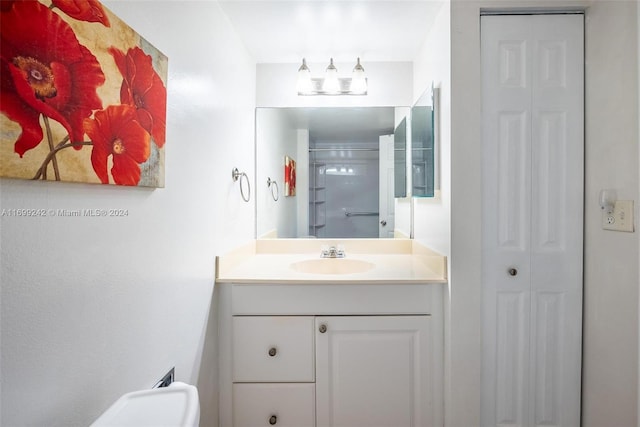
[[331, 83], [304, 84], [358, 79]]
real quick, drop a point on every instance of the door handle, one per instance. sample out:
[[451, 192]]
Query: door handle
[[383, 222], [512, 271]]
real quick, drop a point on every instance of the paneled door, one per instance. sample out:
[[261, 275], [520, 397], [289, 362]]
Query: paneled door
[[533, 157]]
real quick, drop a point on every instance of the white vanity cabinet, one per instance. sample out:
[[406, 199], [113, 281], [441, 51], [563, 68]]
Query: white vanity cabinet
[[325, 355]]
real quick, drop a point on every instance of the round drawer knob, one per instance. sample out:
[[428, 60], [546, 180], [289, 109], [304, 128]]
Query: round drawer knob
[[273, 351], [322, 328], [512, 271], [273, 420]]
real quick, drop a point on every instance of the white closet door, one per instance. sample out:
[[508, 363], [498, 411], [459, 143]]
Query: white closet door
[[532, 77]]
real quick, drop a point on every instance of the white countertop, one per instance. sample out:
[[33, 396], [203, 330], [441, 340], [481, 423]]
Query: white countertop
[[394, 261]]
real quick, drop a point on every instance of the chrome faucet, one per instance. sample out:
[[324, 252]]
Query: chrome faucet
[[332, 252]]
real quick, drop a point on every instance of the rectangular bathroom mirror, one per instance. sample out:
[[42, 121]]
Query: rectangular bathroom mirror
[[344, 175]]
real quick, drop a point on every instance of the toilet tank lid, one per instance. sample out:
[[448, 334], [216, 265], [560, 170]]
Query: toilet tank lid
[[174, 406]]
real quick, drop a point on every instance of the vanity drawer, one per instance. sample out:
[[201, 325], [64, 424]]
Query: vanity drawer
[[273, 349], [280, 405]]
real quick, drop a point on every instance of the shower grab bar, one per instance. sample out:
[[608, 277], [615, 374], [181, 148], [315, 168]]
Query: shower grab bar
[[350, 214], [314, 150]]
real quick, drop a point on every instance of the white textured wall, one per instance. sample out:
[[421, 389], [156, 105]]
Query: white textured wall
[[432, 66], [610, 361], [432, 216], [96, 307], [275, 138], [610, 358]]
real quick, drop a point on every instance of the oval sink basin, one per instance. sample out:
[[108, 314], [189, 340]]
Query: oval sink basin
[[332, 266]]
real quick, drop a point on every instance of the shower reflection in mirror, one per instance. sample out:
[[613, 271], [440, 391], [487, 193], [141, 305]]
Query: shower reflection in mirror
[[344, 187], [357, 169]]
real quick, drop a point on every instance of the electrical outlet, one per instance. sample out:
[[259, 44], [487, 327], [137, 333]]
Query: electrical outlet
[[621, 219]]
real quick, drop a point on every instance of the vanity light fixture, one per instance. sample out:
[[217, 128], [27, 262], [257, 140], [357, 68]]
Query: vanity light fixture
[[359, 79], [304, 84], [331, 84]]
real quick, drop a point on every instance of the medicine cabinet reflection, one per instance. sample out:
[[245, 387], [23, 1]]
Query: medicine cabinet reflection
[[415, 149], [423, 165]]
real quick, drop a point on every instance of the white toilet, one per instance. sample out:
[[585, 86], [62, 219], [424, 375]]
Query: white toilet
[[174, 406]]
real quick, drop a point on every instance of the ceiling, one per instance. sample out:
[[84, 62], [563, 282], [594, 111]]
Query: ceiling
[[285, 31]]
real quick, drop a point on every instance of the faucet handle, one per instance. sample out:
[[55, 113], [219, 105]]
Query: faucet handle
[[324, 251], [336, 251]]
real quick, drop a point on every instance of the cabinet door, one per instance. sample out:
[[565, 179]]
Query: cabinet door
[[273, 349], [280, 405], [373, 371]]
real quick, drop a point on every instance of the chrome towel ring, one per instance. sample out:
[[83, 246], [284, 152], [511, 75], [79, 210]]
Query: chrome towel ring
[[271, 184], [237, 175]]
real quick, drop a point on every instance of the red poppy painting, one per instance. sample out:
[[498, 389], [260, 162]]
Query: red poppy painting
[[83, 97], [289, 176]]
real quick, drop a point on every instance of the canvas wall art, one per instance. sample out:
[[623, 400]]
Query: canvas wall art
[[83, 96], [289, 176]]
